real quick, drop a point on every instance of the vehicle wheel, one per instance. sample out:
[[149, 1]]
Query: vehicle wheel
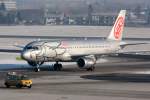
[[8, 86], [29, 86], [19, 86]]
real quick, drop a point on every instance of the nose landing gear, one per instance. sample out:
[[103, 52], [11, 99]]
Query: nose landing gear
[[36, 65], [37, 68]]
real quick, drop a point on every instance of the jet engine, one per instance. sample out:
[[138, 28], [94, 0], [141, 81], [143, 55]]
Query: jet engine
[[85, 62]]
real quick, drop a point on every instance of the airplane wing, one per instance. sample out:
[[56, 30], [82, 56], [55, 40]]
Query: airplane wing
[[124, 44], [135, 54], [10, 50], [18, 46]]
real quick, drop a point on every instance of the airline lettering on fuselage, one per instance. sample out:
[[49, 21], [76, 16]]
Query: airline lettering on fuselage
[[118, 27]]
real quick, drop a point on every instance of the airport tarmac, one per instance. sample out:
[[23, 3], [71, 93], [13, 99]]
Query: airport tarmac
[[116, 78], [120, 79]]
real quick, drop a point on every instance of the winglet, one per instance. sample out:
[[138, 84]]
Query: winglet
[[116, 32]]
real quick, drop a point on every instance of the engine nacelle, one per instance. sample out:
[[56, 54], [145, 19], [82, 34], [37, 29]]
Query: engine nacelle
[[85, 63]]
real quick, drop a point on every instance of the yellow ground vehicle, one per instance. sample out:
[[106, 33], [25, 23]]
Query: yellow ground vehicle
[[18, 80]]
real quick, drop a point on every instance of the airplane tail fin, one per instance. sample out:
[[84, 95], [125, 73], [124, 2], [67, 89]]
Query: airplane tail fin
[[116, 32]]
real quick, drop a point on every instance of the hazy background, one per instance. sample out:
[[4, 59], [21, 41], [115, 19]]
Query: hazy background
[[73, 12], [81, 4]]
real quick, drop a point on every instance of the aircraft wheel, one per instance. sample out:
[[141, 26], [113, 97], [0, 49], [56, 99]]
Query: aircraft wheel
[[57, 67], [91, 69], [60, 67], [37, 69]]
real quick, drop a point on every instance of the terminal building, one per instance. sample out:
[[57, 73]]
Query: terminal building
[[8, 12], [100, 19], [9, 4], [88, 17], [20, 12]]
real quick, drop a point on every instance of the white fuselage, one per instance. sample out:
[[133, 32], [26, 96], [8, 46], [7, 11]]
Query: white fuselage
[[66, 50], [86, 47]]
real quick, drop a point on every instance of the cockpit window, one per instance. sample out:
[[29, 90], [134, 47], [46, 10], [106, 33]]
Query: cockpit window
[[34, 48], [29, 48]]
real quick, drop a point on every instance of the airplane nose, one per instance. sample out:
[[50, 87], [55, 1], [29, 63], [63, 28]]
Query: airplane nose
[[26, 55]]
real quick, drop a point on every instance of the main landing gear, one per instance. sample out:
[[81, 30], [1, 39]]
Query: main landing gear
[[91, 68], [37, 67], [57, 66]]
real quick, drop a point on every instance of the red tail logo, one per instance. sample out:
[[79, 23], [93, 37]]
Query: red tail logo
[[118, 27]]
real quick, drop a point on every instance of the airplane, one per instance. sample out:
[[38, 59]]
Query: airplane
[[85, 52]]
